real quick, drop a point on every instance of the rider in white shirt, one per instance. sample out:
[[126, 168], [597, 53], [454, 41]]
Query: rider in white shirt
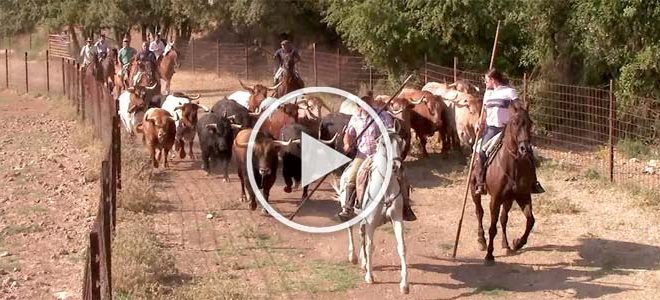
[[157, 46], [86, 53]]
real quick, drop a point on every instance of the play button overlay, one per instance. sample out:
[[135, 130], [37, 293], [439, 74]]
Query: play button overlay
[[318, 159]]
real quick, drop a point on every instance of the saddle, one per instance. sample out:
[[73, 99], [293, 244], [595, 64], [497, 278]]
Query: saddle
[[491, 147]]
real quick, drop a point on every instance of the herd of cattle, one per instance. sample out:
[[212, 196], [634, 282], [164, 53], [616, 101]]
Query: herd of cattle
[[173, 121]]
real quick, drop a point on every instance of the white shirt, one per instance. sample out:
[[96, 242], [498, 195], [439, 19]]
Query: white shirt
[[157, 47], [497, 104], [86, 53]]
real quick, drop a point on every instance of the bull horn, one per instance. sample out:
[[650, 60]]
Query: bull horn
[[254, 114], [194, 97], [241, 145], [476, 88], [245, 87], [153, 86], [282, 143], [453, 85], [330, 141], [212, 126], [232, 117], [415, 102], [206, 109], [395, 112], [178, 107], [237, 126], [275, 86]]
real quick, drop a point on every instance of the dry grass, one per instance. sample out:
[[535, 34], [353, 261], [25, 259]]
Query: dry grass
[[138, 193], [557, 205], [218, 286], [140, 264]]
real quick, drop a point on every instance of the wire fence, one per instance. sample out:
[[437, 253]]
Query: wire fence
[[624, 138]]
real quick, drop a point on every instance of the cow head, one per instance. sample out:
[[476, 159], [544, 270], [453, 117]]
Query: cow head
[[465, 86], [431, 101], [136, 102], [257, 94], [222, 133], [289, 109], [189, 113], [265, 153]]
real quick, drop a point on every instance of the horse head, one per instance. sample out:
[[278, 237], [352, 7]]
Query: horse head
[[397, 143], [518, 134]]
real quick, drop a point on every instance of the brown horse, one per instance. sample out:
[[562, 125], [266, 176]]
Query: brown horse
[[108, 67], [510, 176], [166, 67], [290, 81]]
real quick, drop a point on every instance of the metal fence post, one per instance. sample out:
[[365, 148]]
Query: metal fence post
[[316, 75], [27, 87], [611, 131], [455, 68], [217, 64], [426, 68], [524, 95], [338, 69], [47, 72], [192, 54], [6, 68], [247, 74], [63, 80]]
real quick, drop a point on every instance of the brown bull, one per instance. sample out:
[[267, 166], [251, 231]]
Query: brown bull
[[257, 94], [427, 116], [158, 131], [284, 115]]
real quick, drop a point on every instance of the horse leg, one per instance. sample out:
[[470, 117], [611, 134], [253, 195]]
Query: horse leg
[[190, 148], [525, 203], [401, 249], [369, 248], [226, 169], [492, 231], [504, 218], [363, 252], [479, 211], [351, 246], [422, 143]]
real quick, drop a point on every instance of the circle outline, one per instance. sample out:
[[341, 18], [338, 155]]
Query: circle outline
[[259, 195]]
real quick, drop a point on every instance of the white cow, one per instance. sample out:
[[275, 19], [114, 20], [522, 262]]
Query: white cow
[[131, 110], [240, 97], [184, 113]]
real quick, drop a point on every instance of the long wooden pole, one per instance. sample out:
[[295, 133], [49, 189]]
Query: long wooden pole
[[467, 181], [353, 144]]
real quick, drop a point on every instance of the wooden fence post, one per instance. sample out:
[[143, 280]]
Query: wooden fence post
[[316, 75], [455, 68], [118, 145], [217, 62], [94, 264], [27, 87], [106, 232], [47, 72], [611, 131]]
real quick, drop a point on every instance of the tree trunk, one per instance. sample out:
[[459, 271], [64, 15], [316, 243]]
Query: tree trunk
[[144, 32], [74, 40]]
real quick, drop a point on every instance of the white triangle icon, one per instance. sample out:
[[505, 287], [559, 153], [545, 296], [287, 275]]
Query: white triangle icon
[[318, 159]]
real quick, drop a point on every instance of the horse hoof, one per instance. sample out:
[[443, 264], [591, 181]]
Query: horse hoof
[[253, 205], [517, 244], [489, 262], [287, 189], [264, 212], [369, 279], [405, 290]]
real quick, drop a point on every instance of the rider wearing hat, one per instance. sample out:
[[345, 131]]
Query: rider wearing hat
[[366, 146], [157, 46], [101, 47], [86, 53], [286, 49], [125, 56]]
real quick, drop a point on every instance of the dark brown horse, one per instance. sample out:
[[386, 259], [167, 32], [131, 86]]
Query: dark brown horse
[[166, 67], [510, 176], [290, 80]]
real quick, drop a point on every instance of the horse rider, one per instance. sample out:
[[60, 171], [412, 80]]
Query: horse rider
[[286, 49], [125, 56], [146, 57], [157, 47], [87, 53], [101, 47], [497, 99], [366, 147]]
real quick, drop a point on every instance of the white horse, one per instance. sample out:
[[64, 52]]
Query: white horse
[[389, 208]]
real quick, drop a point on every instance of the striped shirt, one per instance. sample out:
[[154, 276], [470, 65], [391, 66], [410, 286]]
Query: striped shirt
[[497, 103], [368, 142]]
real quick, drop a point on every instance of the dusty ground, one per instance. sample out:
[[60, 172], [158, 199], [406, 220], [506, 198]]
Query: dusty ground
[[591, 240], [47, 187]]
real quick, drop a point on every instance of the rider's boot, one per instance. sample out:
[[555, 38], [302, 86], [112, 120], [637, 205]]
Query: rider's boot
[[347, 212]]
